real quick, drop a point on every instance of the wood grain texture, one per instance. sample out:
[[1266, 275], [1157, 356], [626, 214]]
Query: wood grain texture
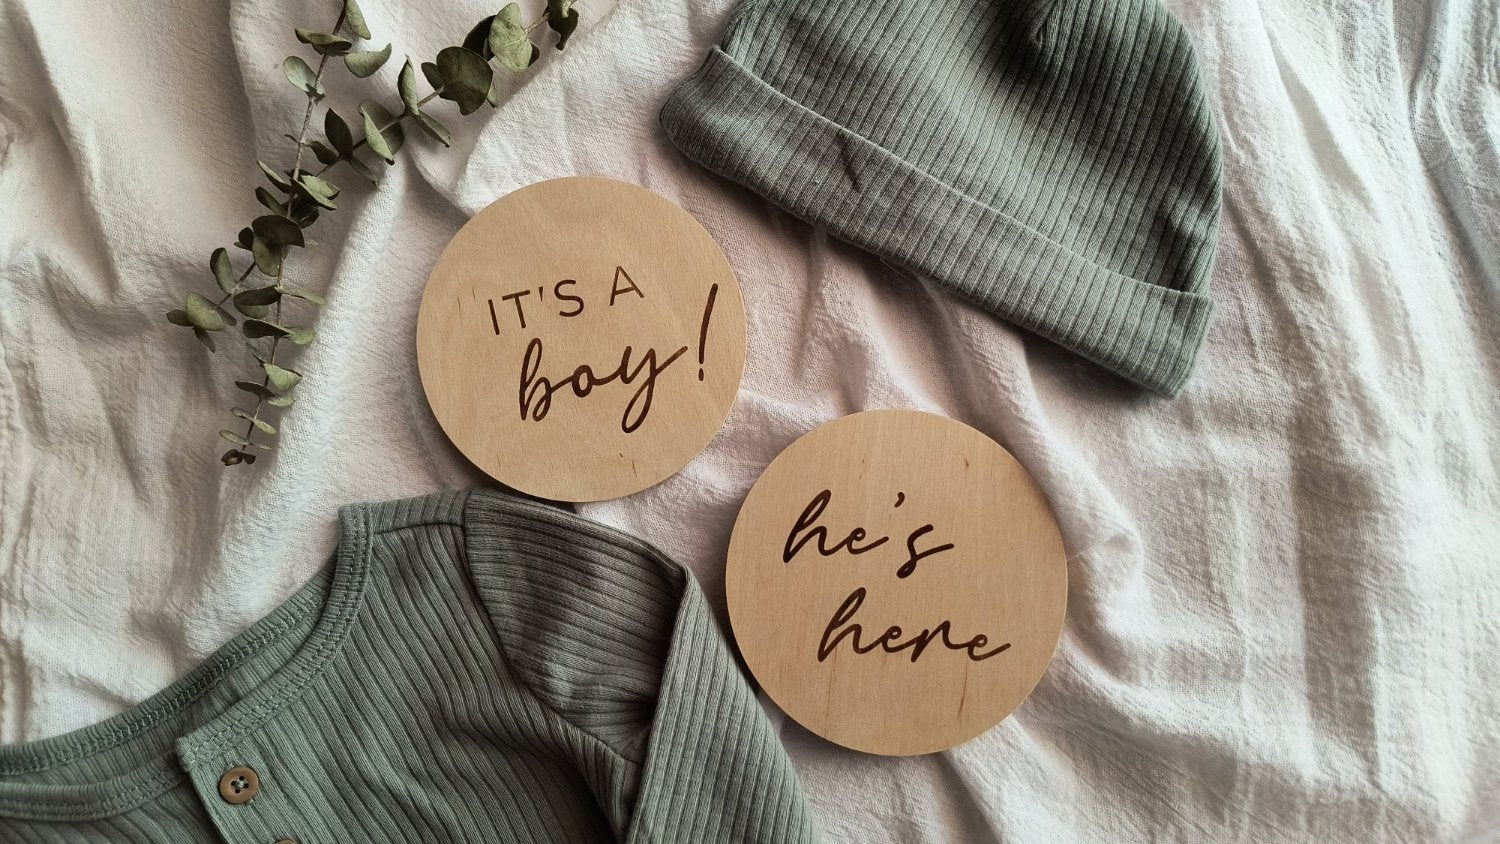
[[896, 582], [581, 339]]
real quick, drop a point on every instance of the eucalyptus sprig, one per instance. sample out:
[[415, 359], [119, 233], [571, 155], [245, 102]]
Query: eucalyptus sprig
[[299, 195]]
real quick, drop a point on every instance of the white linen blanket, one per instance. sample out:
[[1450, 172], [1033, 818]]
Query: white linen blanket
[[1285, 584]]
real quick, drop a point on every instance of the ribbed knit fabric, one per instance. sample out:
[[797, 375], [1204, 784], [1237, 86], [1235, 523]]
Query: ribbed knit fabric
[[471, 667], [1054, 161]]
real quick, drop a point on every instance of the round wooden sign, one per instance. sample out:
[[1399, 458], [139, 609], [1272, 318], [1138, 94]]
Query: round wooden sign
[[581, 339], [896, 582]]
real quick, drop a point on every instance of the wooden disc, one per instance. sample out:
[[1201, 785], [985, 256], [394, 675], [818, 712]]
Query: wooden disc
[[896, 582], [581, 339]]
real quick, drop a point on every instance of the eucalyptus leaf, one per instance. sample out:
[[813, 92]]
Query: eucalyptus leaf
[[319, 185], [223, 271], [267, 257], [243, 241], [365, 171], [364, 63], [281, 401], [406, 84], [303, 294], [325, 154], [235, 438], [234, 458], [466, 77], [253, 311], [508, 40], [384, 117], [319, 190], [277, 230], [478, 38], [281, 379], [179, 317], [205, 314], [280, 181], [260, 424], [258, 390], [260, 328], [562, 19], [493, 97], [339, 136], [355, 19], [376, 141], [302, 76], [434, 78], [257, 296], [388, 124], [300, 336], [304, 216], [328, 45], [438, 131], [205, 338], [270, 202]]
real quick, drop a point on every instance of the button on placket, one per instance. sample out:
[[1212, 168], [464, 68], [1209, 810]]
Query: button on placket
[[239, 785]]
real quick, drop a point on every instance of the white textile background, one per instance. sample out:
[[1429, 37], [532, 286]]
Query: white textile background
[[1285, 584]]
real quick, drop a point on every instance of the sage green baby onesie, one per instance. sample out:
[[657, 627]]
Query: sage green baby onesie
[[469, 667]]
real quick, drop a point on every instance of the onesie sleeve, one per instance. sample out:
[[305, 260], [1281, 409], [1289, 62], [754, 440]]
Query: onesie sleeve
[[619, 641]]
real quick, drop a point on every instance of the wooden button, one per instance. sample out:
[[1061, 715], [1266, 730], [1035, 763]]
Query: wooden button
[[239, 785]]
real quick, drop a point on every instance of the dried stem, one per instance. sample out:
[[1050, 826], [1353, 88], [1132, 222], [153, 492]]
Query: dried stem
[[294, 206], [265, 381], [312, 101]]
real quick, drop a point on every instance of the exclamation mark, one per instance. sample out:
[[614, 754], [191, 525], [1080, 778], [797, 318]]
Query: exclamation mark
[[708, 312]]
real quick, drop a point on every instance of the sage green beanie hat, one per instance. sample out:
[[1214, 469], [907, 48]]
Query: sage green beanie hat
[[1054, 161]]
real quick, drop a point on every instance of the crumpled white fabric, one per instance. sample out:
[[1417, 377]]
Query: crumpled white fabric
[[1285, 584]]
